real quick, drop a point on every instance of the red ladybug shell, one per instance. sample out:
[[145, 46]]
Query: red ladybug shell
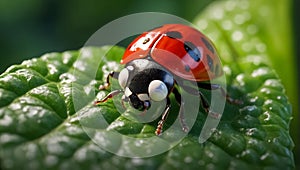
[[181, 49]]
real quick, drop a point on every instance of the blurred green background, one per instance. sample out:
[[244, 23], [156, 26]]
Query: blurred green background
[[36, 27], [32, 28]]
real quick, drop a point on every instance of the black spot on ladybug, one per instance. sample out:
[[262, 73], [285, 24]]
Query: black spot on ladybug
[[174, 34], [187, 68], [192, 50], [210, 63], [208, 45], [146, 40]]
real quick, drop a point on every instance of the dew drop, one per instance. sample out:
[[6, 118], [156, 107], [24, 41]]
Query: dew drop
[[6, 121], [227, 24], [268, 116], [218, 13], [254, 99], [116, 124], [188, 159], [246, 152], [137, 161], [100, 95], [253, 141], [240, 79], [202, 24], [268, 102], [80, 65], [99, 138], [74, 119], [87, 89], [261, 47], [227, 70], [7, 78], [263, 157], [81, 155], [67, 78], [16, 106], [51, 160], [230, 5], [52, 69], [251, 131], [239, 19], [139, 143], [210, 154], [265, 91], [246, 46], [5, 138], [259, 72], [237, 36], [66, 57], [85, 53], [109, 66]]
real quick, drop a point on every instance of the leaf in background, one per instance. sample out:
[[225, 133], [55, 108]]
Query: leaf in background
[[253, 27], [258, 32], [39, 126]]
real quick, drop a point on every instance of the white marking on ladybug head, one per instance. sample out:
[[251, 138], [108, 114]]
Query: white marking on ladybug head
[[157, 90], [127, 92], [130, 68], [123, 77], [143, 97], [141, 62]]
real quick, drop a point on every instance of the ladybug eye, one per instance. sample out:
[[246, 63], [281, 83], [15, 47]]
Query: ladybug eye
[[123, 77], [157, 90]]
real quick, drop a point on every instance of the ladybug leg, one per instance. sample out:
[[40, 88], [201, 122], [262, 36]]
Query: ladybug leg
[[203, 101], [109, 96], [107, 83], [177, 95], [208, 86], [206, 106], [164, 116]]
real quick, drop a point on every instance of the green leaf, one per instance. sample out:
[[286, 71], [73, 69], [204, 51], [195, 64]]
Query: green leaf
[[40, 129], [257, 28]]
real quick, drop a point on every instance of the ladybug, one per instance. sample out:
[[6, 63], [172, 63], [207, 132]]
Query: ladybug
[[157, 59]]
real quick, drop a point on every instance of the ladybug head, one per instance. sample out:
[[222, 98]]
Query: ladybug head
[[144, 81]]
